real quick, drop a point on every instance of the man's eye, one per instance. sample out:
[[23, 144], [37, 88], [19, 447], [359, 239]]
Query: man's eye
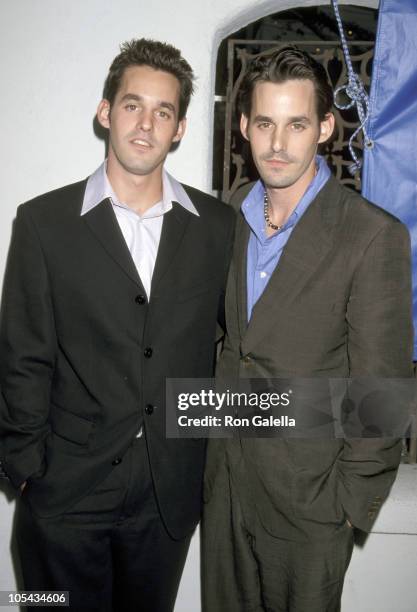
[[131, 107], [163, 114], [297, 127], [264, 125]]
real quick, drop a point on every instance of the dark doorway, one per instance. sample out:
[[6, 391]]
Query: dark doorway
[[315, 30]]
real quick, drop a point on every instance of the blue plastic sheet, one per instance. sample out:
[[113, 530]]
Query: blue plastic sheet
[[389, 176]]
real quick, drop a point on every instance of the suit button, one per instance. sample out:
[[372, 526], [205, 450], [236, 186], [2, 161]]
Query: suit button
[[140, 299], [116, 461], [246, 360], [149, 409], [148, 352], [371, 515]]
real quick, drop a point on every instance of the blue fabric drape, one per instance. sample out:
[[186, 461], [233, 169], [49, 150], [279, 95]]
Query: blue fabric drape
[[389, 176]]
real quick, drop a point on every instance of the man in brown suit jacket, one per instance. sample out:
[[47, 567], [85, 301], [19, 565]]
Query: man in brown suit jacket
[[319, 287]]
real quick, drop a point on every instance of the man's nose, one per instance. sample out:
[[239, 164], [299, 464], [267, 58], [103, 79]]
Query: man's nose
[[279, 140], [145, 120]]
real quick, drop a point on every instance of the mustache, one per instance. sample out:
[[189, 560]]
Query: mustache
[[281, 156]]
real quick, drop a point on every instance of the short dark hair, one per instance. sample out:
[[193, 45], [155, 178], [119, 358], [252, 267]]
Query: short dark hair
[[284, 64], [156, 55]]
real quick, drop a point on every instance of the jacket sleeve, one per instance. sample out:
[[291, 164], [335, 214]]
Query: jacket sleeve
[[380, 340], [27, 352]]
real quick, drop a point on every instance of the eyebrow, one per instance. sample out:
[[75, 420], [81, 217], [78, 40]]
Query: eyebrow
[[262, 118], [299, 119], [136, 98], [296, 119]]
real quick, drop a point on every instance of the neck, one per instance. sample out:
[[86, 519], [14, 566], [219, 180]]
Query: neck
[[139, 192]]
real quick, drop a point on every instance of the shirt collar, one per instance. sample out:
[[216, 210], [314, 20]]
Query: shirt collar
[[99, 188], [252, 205]]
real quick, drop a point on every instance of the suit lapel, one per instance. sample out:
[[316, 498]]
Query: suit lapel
[[103, 224], [241, 258], [310, 242], [173, 228]]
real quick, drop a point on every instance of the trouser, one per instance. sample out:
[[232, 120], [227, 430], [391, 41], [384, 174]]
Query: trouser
[[247, 569], [111, 550]]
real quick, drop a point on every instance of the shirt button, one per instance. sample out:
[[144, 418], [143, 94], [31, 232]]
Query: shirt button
[[149, 409], [263, 275], [140, 299], [116, 461], [148, 352]]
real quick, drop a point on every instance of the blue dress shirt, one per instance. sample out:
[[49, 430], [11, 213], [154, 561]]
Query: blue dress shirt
[[264, 251]]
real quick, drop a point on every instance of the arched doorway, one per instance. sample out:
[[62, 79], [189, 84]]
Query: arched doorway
[[315, 30]]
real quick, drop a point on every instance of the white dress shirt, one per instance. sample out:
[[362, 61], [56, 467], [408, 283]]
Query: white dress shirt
[[142, 233]]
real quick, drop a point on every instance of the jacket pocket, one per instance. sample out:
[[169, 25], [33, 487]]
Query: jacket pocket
[[70, 426], [195, 290], [314, 486]]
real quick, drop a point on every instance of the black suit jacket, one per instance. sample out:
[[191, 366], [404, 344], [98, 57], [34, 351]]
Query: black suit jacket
[[84, 357]]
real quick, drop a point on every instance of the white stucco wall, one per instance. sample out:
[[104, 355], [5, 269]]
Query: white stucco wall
[[54, 56]]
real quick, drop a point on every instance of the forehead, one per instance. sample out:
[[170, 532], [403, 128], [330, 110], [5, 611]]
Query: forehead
[[146, 82], [295, 97]]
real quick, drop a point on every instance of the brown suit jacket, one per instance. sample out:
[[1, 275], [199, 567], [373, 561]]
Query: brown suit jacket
[[338, 305]]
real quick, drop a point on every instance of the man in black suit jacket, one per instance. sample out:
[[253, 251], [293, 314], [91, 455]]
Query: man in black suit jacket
[[113, 284]]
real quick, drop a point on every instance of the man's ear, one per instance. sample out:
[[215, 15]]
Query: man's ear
[[244, 126], [103, 114], [180, 130], [326, 127]]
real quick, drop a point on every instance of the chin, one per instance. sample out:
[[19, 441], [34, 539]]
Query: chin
[[276, 182], [140, 170]]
